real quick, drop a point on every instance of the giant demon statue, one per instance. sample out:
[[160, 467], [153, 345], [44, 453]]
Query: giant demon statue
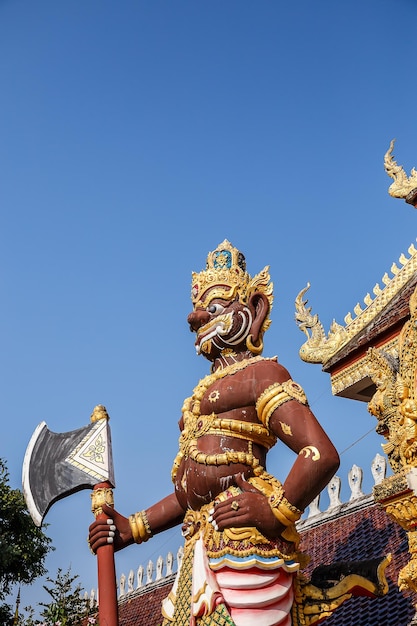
[[240, 556]]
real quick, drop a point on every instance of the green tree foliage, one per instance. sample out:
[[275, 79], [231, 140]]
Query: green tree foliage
[[23, 546], [67, 607]]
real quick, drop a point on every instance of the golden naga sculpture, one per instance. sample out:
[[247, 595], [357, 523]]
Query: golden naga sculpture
[[403, 186], [318, 348], [394, 404]]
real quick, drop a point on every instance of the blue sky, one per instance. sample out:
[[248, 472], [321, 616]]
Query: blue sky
[[134, 137]]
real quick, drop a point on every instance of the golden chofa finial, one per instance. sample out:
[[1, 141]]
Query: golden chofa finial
[[403, 186]]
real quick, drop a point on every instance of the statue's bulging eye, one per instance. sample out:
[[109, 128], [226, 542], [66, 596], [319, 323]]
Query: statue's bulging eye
[[215, 309]]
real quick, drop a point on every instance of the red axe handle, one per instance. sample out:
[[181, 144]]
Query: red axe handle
[[107, 589]]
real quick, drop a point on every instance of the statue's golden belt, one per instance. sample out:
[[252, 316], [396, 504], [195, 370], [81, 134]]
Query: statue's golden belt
[[249, 431], [241, 542], [197, 427]]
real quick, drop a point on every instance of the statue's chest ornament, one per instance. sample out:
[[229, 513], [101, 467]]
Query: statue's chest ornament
[[197, 425], [214, 395]]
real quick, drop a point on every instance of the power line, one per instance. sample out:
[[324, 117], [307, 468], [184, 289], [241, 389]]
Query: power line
[[357, 441]]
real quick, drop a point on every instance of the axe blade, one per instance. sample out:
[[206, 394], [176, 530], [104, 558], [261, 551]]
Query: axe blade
[[59, 464]]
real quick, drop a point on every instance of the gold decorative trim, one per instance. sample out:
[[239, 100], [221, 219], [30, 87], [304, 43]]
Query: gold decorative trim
[[359, 370], [100, 496], [286, 428], [250, 431], [275, 395], [139, 526], [310, 451], [390, 487]]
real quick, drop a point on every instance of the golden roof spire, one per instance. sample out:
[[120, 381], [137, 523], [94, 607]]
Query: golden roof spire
[[403, 186]]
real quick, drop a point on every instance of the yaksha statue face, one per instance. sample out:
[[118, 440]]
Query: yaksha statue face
[[231, 309]]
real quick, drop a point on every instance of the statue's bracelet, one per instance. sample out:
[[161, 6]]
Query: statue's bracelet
[[139, 525], [284, 511]]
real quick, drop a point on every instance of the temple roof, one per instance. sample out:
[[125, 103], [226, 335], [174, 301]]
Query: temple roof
[[364, 534], [377, 322]]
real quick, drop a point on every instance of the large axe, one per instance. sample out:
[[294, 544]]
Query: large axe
[[59, 464]]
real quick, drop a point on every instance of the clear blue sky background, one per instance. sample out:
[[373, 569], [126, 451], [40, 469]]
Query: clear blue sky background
[[134, 137]]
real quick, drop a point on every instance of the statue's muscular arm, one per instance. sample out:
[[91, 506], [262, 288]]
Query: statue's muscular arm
[[296, 426], [317, 459]]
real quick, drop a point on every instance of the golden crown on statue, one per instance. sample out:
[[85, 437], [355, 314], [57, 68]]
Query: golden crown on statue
[[226, 277]]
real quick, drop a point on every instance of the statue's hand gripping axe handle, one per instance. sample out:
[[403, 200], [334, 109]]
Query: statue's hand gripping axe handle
[[59, 464], [108, 613]]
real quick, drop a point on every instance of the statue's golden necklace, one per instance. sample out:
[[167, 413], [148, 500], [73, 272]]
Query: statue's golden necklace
[[191, 414]]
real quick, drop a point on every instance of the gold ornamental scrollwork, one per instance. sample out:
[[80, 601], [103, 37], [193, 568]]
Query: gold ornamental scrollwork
[[407, 578], [394, 404], [403, 511], [99, 497]]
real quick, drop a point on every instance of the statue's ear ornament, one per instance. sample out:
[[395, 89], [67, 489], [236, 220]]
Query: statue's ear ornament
[[252, 347]]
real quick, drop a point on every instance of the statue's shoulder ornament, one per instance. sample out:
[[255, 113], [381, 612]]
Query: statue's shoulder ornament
[[276, 395]]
